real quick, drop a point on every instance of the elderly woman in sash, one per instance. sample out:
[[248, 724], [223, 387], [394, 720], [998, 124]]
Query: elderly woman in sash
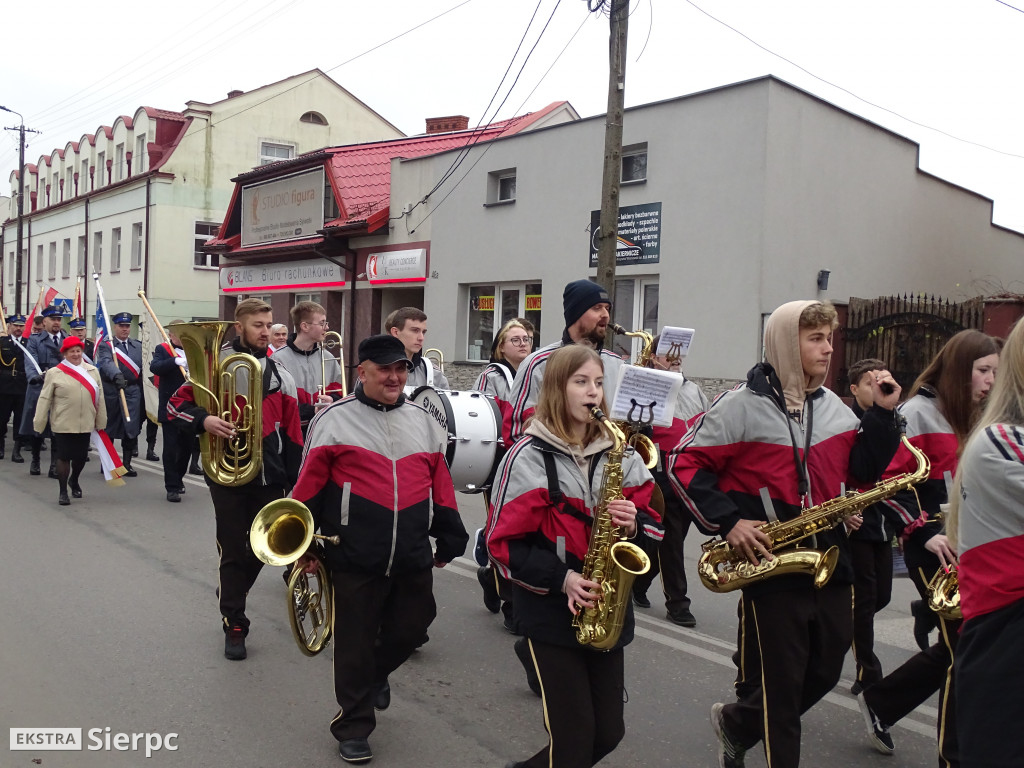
[[72, 401]]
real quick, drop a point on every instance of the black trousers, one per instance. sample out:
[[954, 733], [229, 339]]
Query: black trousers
[[176, 454], [872, 591], [790, 654], [669, 562], [582, 696], [235, 509], [378, 622], [989, 679], [152, 428], [11, 404], [904, 689]]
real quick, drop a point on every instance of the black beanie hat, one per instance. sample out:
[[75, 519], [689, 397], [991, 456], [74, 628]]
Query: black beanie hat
[[581, 295]]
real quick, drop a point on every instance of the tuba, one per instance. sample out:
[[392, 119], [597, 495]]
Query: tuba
[[722, 569], [280, 535], [609, 561], [640, 442], [231, 388]]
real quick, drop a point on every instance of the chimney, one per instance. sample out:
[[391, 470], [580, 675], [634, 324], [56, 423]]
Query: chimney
[[445, 124], [232, 94]]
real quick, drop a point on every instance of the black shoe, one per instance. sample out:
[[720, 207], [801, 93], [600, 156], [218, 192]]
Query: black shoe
[[878, 732], [522, 649], [195, 469], [76, 490], [16, 457], [856, 688], [640, 599], [129, 472], [63, 500], [682, 617], [234, 643], [485, 576], [181, 490], [924, 623], [151, 455], [382, 698], [33, 468], [52, 473], [509, 626], [42, 445], [355, 751], [135, 453], [173, 496], [1, 451]]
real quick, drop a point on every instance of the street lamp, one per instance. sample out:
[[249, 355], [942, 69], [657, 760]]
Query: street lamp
[[21, 207]]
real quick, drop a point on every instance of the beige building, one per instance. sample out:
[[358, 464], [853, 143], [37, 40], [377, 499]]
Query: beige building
[[136, 200]]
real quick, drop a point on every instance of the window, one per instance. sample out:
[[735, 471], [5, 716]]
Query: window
[[491, 306], [11, 268], [39, 264], [314, 297], [119, 162], [66, 264], [313, 117], [97, 252], [83, 177], [69, 184], [81, 255], [636, 306], [101, 168], [137, 246], [271, 152], [115, 249], [53, 260], [55, 196], [501, 187], [205, 230], [141, 154], [634, 163]]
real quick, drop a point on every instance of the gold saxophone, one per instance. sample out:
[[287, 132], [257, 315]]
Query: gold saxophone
[[611, 562], [640, 442], [723, 569]]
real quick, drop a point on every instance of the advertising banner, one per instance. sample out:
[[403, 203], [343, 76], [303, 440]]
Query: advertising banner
[[639, 237], [287, 208]]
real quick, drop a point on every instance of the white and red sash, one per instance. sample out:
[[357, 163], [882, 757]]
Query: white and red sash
[[109, 458], [123, 358]]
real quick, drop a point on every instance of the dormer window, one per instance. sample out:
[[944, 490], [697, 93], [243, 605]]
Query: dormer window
[[313, 117]]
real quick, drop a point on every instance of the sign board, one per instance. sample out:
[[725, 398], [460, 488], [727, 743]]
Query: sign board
[[639, 237], [64, 305], [397, 266], [287, 208], [533, 302], [483, 303], [290, 276]]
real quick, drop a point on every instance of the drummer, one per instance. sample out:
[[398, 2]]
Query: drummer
[[409, 325]]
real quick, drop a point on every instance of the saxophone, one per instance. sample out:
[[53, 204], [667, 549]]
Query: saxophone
[[723, 569], [609, 561]]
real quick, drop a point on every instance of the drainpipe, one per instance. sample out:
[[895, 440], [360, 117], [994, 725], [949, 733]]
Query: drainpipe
[[145, 257], [85, 267]]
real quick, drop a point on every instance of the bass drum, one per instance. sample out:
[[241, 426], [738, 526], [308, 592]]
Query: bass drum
[[470, 424]]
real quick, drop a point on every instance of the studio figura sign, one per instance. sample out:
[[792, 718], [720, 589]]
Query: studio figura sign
[[287, 208]]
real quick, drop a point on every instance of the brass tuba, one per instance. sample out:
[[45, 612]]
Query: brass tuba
[[609, 561], [231, 388], [723, 569], [280, 535]]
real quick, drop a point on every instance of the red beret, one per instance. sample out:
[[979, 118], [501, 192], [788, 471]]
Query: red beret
[[69, 342]]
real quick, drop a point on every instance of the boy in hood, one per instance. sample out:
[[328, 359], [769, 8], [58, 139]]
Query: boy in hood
[[767, 451]]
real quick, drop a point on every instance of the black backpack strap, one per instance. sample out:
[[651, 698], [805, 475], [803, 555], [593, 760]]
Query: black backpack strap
[[555, 491]]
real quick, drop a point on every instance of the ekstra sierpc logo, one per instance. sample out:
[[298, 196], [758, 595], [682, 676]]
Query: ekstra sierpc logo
[[95, 740]]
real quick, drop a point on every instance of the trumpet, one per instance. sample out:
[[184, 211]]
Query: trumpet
[[331, 340], [280, 535]]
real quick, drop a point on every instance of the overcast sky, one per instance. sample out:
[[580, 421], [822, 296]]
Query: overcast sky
[[944, 73]]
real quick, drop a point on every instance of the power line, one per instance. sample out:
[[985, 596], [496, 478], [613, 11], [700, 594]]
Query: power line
[[1014, 7]]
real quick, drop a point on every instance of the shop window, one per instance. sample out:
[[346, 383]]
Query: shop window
[[635, 307], [493, 305], [634, 163]]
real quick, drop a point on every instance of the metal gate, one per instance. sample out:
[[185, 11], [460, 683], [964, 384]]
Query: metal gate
[[906, 332]]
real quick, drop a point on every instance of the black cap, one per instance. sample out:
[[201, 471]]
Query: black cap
[[382, 349], [579, 296]]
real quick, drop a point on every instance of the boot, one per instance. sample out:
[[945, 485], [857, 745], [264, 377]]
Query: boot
[[33, 468], [52, 474], [16, 457], [151, 454], [2, 442], [126, 459]]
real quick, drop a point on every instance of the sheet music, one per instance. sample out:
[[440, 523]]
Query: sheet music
[[677, 338], [644, 394]]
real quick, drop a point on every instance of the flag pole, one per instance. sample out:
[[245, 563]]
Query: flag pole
[[110, 341]]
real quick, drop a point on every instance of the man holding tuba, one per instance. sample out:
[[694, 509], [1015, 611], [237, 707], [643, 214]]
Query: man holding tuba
[[374, 474], [770, 450], [235, 504]]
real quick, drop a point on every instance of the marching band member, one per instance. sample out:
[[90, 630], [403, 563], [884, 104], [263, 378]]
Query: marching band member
[[944, 403], [770, 449], [169, 366], [235, 507], [409, 325], [121, 369], [691, 402], [988, 519], [511, 346], [587, 311], [72, 401], [13, 383], [547, 491], [301, 355], [374, 473], [44, 346]]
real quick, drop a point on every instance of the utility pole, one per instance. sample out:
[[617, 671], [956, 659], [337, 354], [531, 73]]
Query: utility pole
[[21, 207], [618, 16]]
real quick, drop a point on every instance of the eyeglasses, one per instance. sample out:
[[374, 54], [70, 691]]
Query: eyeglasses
[[322, 324], [521, 341]]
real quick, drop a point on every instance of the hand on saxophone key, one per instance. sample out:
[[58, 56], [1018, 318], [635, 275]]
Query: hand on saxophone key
[[747, 538], [938, 545], [623, 512], [581, 592]]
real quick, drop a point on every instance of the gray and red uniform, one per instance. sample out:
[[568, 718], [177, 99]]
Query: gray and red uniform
[[308, 369], [375, 475], [989, 672], [235, 507], [534, 540]]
